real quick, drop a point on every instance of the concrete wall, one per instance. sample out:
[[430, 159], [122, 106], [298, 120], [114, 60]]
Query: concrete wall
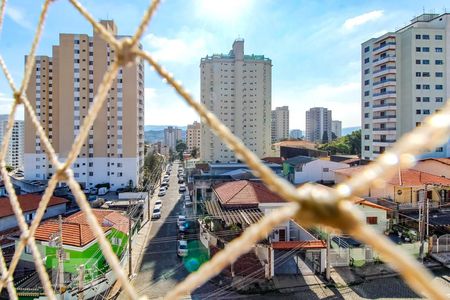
[[314, 171], [380, 214]]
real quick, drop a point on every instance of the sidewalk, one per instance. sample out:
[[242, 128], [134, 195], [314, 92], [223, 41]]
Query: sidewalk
[[140, 241]]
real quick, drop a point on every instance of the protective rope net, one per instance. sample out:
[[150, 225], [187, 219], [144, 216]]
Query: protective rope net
[[308, 205]]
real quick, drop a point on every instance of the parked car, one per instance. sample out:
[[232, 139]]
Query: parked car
[[181, 180], [158, 203], [188, 203], [156, 213], [166, 177], [181, 220], [162, 192], [182, 249], [182, 188]]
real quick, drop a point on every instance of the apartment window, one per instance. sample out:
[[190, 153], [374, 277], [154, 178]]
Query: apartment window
[[366, 71], [119, 174], [325, 170], [366, 115], [418, 99], [372, 220], [417, 36], [426, 99], [425, 37], [426, 86], [418, 112], [439, 86], [366, 104], [366, 49], [439, 62], [417, 61], [418, 74], [426, 74], [426, 61], [417, 49], [76, 175], [438, 49], [439, 74], [366, 60], [438, 37], [366, 93], [440, 149], [417, 86], [27, 247], [366, 126], [426, 111], [366, 137], [366, 82], [366, 148], [91, 173], [425, 49], [439, 99], [418, 124]]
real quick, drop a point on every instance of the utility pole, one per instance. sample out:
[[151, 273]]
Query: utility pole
[[81, 282], [328, 271], [130, 269], [422, 220], [60, 258]]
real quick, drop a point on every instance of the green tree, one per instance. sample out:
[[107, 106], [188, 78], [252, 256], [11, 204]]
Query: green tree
[[354, 140], [194, 152], [9, 168], [180, 147], [349, 144], [325, 137]]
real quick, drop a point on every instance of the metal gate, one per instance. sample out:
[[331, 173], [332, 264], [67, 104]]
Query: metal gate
[[441, 244]]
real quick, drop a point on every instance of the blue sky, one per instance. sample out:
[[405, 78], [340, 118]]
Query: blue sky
[[314, 45]]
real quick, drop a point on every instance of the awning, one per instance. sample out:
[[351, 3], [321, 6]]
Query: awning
[[244, 216]]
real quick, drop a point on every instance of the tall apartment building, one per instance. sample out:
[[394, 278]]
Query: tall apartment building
[[280, 123], [336, 128], [62, 89], [171, 136], [318, 125], [193, 139], [296, 134], [405, 78], [237, 88], [14, 156]]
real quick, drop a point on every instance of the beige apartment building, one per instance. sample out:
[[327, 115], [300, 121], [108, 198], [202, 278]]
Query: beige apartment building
[[280, 124], [405, 78], [62, 89], [193, 139], [318, 125], [237, 88], [14, 156]]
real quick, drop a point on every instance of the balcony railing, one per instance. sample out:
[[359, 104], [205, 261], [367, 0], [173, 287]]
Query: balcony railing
[[384, 105], [384, 141], [383, 81], [384, 93], [384, 69], [384, 117], [383, 58], [384, 129], [385, 45]]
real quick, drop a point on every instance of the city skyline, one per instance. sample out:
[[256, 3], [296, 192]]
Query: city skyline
[[295, 81]]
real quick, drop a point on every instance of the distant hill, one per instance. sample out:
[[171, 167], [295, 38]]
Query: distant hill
[[348, 130]]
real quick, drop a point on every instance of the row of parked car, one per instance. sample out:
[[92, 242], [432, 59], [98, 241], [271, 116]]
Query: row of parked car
[[162, 192]]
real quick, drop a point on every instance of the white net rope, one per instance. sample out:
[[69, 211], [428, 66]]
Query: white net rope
[[309, 205]]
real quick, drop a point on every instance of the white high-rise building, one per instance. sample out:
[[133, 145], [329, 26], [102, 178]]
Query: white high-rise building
[[62, 89], [237, 88], [318, 125], [280, 123], [336, 128], [171, 136], [193, 133], [405, 78], [14, 156], [296, 134]]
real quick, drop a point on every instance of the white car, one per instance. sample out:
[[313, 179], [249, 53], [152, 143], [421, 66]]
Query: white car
[[182, 249], [162, 192], [188, 203], [181, 220], [158, 203], [182, 188], [156, 213], [166, 177]]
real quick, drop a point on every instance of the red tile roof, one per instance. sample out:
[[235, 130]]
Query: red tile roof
[[314, 244], [441, 160], [76, 230], [244, 193], [28, 202], [411, 177]]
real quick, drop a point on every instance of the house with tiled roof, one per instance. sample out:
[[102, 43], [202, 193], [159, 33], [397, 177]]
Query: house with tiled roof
[[435, 166], [302, 169], [79, 242], [406, 186], [29, 203]]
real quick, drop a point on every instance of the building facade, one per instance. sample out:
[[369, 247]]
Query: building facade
[[296, 134], [318, 125], [237, 88], [336, 128], [171, 136], [193, 139], [14, 156], [62, 89], [280, 123], [404, 79]]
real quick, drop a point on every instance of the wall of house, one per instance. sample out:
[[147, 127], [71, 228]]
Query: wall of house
[[267, 208], [314, 171], [298, 233], [11, 221], [433, 167], [380, 214], [411, 195]]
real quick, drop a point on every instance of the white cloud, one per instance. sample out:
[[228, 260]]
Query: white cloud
[[351, 23], [18, 17], [184, 48]]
